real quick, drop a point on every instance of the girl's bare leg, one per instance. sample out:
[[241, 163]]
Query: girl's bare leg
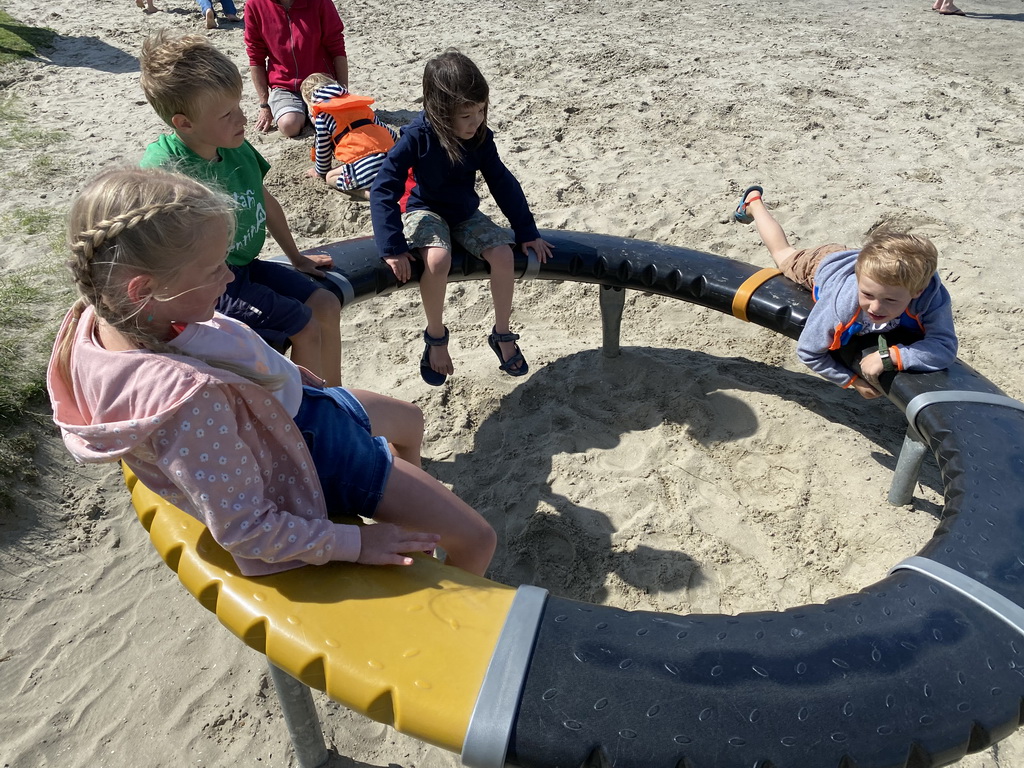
[[433, 285], [400, 422], [415, 500], [503, 281]]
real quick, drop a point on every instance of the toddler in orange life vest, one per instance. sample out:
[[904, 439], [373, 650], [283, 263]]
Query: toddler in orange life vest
[[347, 130]]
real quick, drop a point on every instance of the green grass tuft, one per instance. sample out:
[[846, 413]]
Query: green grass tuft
[[19, 41], [32, 222]]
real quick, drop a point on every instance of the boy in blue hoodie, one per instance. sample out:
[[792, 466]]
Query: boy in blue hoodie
[[885, 297]]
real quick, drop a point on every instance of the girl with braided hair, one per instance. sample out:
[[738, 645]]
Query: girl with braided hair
[[214, 420]]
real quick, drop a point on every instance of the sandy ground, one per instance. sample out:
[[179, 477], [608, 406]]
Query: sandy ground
[[702, 471]]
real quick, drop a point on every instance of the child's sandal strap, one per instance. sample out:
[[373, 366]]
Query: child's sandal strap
[[436, 341]]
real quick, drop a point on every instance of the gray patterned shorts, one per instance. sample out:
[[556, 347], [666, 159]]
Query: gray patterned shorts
[[425, 229]]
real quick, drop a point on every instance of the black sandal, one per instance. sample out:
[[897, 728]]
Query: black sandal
[[516, 359], [432, 377]]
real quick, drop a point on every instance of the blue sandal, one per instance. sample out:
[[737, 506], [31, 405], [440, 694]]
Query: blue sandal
[[432, 377], [517, 359], [740, 214]]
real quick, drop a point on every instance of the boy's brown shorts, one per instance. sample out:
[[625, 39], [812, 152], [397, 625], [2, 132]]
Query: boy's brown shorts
[[804, 263]]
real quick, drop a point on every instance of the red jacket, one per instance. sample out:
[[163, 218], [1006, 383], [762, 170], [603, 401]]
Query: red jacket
[[293, 44]]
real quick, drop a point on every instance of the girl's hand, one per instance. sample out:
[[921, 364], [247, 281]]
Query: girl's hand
[[401, 265], [384, 544], [541, 247], [313, 263]]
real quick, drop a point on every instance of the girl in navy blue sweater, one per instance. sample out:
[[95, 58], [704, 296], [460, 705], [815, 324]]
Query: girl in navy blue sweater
[[424, 199]]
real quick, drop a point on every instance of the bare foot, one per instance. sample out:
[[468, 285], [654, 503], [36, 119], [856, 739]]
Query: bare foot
[[211, 19], [441, 361], [508, 351], [231, 17]]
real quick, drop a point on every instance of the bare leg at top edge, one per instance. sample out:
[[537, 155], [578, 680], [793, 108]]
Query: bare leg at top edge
[[769, 230], [947, 8]]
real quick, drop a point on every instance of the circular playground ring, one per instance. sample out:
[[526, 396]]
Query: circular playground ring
[[915, 670]]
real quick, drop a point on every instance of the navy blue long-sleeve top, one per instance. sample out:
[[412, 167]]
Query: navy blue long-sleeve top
[[418, 175]]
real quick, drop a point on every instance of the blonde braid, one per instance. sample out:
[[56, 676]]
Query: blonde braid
[[136, 221], [99, 238]]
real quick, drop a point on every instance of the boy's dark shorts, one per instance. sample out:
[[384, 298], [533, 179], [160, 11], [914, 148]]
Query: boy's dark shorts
[[276, 313], [352, 464]]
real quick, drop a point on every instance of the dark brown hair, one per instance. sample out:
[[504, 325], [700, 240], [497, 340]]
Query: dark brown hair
[[451, 81]]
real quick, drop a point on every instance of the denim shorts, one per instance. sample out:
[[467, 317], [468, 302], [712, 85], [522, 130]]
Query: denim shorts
[[270, 298], [425, 229], [352, 464]]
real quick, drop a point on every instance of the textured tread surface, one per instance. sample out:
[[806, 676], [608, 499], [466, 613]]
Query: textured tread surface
[[905, 673], [407, 646]]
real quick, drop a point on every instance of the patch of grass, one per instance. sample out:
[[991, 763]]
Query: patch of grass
[[30, 301], [32, 222], [27, 312], [17, 131], [27, 329], [19, 41]]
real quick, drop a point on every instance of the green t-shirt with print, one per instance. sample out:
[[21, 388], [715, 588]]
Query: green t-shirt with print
[[239, 172]]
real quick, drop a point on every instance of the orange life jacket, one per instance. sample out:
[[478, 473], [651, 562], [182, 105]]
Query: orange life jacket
[[356, 135]]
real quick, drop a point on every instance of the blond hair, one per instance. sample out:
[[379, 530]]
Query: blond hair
[[311, 83], [132, 221], [898, 259], [451, 81], [181, 74]]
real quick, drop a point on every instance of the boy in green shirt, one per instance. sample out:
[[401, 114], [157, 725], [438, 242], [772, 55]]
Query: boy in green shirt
[[196, 89]]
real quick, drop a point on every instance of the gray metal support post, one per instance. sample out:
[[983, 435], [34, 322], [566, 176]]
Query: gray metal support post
[[612, 302], [301, 718], [908, 467]]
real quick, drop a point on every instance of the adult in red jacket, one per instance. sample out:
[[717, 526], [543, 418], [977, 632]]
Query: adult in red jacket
[[286, 42]]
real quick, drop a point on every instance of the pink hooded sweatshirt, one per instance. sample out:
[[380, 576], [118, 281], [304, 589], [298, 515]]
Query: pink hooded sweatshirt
[[210, 442]]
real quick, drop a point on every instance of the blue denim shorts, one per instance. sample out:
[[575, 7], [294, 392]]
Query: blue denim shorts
[[352, 464], [425, 229], [270, 298]]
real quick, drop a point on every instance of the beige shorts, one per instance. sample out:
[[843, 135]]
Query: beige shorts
[[804, 263]]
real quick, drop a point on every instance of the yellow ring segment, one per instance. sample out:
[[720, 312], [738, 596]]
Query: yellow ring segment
[[407, 646]]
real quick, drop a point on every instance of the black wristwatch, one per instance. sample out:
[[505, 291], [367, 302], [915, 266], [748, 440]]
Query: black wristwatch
[[264, 106], [883, 352]]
